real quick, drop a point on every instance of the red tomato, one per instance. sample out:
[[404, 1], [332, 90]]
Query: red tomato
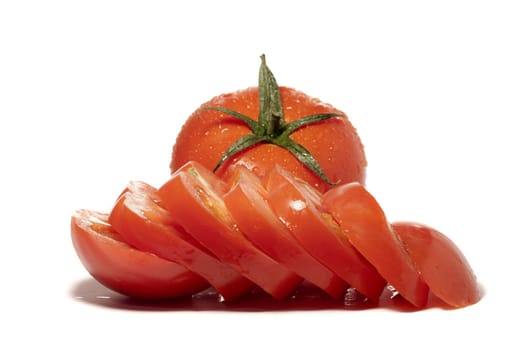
[[144, 224], [124, 269], [193, 196], [248, 207], [295, 202], [333, 143], [365, 225], [441, 264]]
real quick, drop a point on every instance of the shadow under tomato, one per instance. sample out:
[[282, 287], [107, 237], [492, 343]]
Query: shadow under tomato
[[306, 298]]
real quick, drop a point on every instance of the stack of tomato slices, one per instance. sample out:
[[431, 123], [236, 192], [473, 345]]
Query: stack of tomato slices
[[199, 231]]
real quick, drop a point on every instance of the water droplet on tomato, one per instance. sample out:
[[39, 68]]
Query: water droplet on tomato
[[353, 297], [298, 205], [392, 291]]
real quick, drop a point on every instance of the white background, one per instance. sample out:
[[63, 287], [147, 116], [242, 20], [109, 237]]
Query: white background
[[92, 94]]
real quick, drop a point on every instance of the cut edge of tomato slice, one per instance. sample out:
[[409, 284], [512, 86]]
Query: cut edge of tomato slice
[[320, 234], [258, 222], [200, 209], [441, 263], [124, 269], [143, 223], [364, 223]]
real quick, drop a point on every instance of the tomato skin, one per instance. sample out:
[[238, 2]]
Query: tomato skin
[[144, 224], [124, 269], [295, 202], [441, 264], [366, 227], [247, 205], [207, 134], [193, 195]]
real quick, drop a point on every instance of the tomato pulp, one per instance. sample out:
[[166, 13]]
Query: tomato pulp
[[124, 269], [143, 223], [441, 264], [296, 203], [247, 204], [364, 224], [193, 195]]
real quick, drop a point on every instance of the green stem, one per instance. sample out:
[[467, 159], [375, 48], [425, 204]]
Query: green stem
[[271, 116]]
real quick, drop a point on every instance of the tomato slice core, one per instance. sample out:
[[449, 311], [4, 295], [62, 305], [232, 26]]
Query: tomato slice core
[[124, 269], [143, 223], [193, 195], [441, 264], [363, 222]]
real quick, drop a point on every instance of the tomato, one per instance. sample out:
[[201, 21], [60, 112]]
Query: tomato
[[296, 203], [193, 195], [330, 144], [441, 264], [248, 207], [124, 269], [366, 227], [144, 224]]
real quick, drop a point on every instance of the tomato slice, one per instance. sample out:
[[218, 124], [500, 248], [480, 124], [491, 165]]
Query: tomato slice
[[144, 224], [248, 207], [441, 264], [365, 225], [295, 203], [124, 269], [193, 195]]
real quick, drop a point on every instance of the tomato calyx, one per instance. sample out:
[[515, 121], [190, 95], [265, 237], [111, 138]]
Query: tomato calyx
[[271, 126]]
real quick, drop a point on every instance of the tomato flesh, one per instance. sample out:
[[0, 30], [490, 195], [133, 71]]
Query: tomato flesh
[[124, 269], [441, 264], [247, 205], [363, 222], [296, 204], [193, 195], [144, 224]]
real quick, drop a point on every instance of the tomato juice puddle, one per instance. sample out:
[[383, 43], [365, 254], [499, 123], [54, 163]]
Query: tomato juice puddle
[[306, 298]]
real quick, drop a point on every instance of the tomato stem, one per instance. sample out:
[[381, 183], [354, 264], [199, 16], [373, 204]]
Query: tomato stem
[[271, 126], [271, 115]]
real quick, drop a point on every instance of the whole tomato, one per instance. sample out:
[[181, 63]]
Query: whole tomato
[[259, 127]]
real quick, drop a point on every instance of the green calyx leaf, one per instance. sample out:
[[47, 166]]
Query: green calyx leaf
[[241, 144], [271, 126]]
